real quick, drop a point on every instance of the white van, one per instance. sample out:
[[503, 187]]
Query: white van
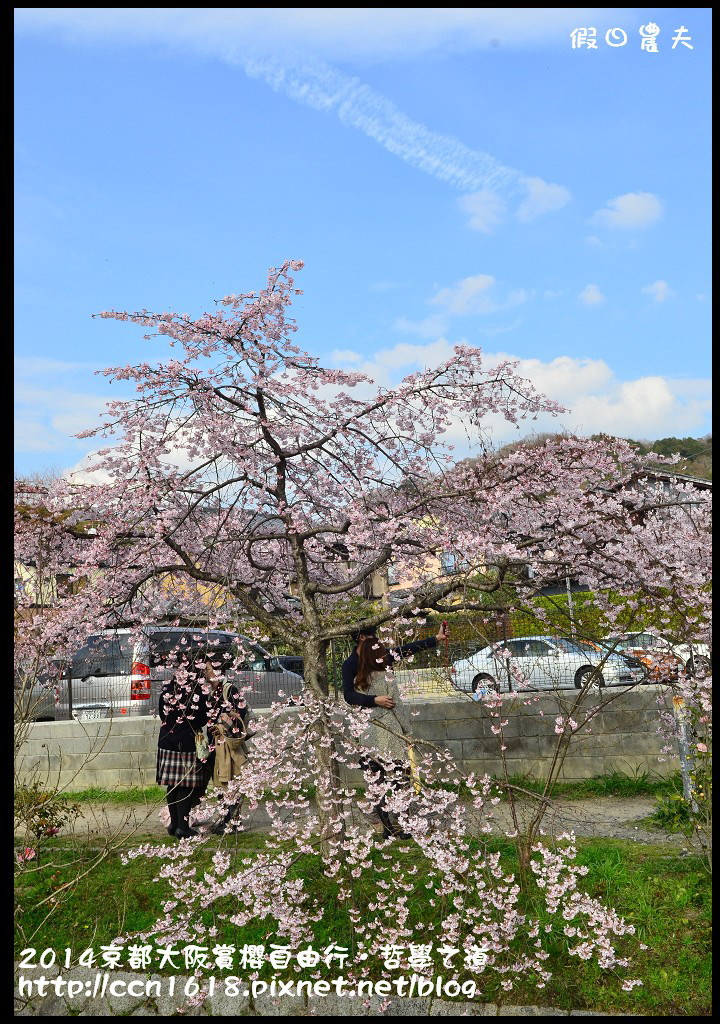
[[122, 671]]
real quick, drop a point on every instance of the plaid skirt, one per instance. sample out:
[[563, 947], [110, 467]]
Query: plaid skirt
[[180, 768]]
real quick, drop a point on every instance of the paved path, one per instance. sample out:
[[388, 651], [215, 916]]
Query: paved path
[[599, 817]]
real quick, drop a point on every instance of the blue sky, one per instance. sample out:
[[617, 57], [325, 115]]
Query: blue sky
[[447, 176]]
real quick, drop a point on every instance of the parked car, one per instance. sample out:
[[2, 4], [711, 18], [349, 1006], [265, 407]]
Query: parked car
[[662, 657], [547, 662], [121, 671], [292, 662], [35, 699]]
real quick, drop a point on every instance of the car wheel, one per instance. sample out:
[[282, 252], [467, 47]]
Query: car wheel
[[482, 681], [699, 665], [593, 675]]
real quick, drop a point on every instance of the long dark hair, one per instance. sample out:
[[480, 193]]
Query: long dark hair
[[373, 655]]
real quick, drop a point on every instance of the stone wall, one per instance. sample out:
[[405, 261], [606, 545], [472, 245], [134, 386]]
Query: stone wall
[[117, 753], [622, 737]]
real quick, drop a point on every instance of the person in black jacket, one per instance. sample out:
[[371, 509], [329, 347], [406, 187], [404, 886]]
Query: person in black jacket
[[365, 684], [183, 714]]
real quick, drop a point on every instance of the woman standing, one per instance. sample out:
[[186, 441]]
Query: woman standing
[[367, 683], [183, 715], [229, 721]]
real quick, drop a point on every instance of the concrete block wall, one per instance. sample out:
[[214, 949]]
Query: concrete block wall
[[117, 753], [621, 737], [110, 753]]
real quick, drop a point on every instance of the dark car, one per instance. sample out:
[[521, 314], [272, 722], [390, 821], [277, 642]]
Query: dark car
[[290, 662]]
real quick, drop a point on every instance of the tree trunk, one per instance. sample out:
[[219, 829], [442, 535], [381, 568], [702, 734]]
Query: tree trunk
[[329, 804], [315, 666]]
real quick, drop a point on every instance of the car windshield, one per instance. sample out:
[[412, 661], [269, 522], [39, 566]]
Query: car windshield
[[104, 655], [574, 646], [250, 657], [621, 643]]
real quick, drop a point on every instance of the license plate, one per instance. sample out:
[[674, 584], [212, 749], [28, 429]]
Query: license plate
[[85, 716]]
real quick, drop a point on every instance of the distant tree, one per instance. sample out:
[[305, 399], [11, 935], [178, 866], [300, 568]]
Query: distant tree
[[687, 447]]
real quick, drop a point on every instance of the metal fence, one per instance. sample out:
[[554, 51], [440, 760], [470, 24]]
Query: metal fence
[[506, 653], [502, 651]]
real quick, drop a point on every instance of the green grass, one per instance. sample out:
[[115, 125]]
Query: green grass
[[134, 795], [664, 895], [615, 784]]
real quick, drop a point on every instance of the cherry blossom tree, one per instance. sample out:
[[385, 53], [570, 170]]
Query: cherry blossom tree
[[275, 489], [244, 465]]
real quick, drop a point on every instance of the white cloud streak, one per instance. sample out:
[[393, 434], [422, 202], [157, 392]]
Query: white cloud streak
[[317, 85], [280, 47]]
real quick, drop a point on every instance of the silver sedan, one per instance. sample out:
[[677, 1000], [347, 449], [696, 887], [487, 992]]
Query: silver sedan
[[542, 663]]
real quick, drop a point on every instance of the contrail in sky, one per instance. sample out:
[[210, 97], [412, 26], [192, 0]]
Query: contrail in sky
[[320, 86], [234, 35]]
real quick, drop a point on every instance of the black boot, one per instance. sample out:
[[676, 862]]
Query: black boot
[[222, 826], [184, 805], [172, 799], [390, 830]]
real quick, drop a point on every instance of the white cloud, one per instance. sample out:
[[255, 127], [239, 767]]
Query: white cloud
[[47, 417], [518, 297], [468, 296], [647, 407], [485, 209], [565, 377], [596, 398], [388, 366], [492, 332], [32, 366], [475, 295], [430, 327], [341, 356], [177, 458], [335, 33], [591, 295], [31, 436], [660, 291], [542, 198], [472, 296], [51, 404], [80, 473], [632, 210]]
